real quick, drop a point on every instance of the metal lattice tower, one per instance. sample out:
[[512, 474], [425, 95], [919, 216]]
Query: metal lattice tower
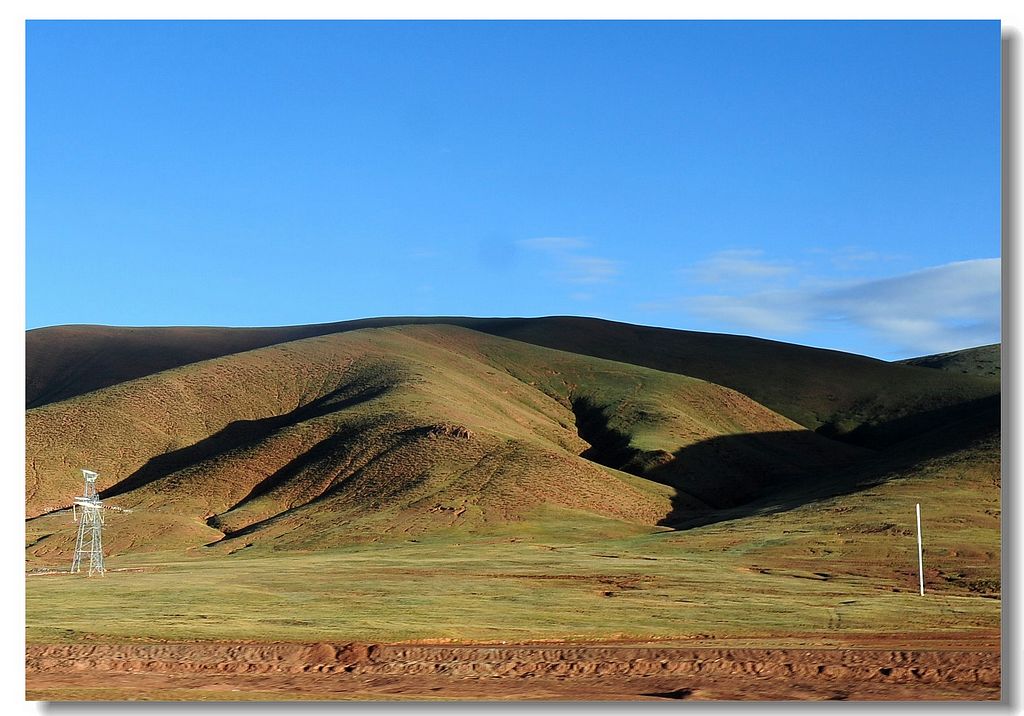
[[90, 527]]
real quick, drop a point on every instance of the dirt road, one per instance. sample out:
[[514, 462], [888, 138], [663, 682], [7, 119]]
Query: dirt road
[[225, 671]]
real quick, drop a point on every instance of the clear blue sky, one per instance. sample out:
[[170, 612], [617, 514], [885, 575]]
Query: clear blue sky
[[833, 184]]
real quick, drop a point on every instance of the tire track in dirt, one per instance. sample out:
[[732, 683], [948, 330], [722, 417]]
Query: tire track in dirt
[[846, 666]]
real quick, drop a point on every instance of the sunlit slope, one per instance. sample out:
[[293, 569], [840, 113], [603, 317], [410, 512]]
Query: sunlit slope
[[981, 361], [861, 399], [826, 573], [870, 532], [65, 361], [388, 431]]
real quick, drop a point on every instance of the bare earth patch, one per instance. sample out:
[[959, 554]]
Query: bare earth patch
[[283, 671]]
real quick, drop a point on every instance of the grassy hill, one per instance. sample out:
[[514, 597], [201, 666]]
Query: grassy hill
[[839, 570], [402, 430], [859, 399], [437, 482], [981, 361]]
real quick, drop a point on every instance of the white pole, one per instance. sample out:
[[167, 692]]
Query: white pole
[[920, 557]]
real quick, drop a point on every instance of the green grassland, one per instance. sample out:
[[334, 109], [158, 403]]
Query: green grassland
[[837, 570], [432, 482]]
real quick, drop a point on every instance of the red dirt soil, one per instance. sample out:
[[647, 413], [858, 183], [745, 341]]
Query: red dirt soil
[[280, 671]]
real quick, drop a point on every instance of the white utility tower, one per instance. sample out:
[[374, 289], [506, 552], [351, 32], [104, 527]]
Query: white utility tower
[[90, 527]]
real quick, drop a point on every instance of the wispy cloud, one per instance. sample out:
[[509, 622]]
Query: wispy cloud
[[846, 258], [738, 265], [421, 253], [590, 269], [570, 263], [553, 243], [936, 309], [769, 311]]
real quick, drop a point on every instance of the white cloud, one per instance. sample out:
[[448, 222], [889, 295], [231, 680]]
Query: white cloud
[[738, 264], [571, 266], [589, 269], [760, 312], [846, 258], [422, 253], [936, 309], [553, 243]]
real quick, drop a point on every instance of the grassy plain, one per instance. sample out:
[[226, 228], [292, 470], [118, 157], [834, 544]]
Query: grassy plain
[[841, 569], [436, 483]]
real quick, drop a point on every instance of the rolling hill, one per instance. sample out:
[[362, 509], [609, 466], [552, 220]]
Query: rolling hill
[[981, 361], [410, 429], [442, 482], [858, 399]]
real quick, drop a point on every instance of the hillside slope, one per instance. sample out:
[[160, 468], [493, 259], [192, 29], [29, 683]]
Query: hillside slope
[[982, 361], [860, 399], [402, 430], [836, 571]]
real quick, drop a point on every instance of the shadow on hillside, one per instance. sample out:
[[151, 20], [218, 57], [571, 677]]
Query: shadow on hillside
[[735, 476], [608, 446], [944, 438], [239, 435], [889, 433]]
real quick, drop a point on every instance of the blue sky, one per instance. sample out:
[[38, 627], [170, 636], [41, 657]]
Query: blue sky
[[832, 184]]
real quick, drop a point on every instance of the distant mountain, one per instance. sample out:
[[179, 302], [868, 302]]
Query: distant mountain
[[861, 400], [981, 361]]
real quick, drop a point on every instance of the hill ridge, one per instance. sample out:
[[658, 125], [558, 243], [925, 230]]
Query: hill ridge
[[981, 361], [834, 392], [430, 423]]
